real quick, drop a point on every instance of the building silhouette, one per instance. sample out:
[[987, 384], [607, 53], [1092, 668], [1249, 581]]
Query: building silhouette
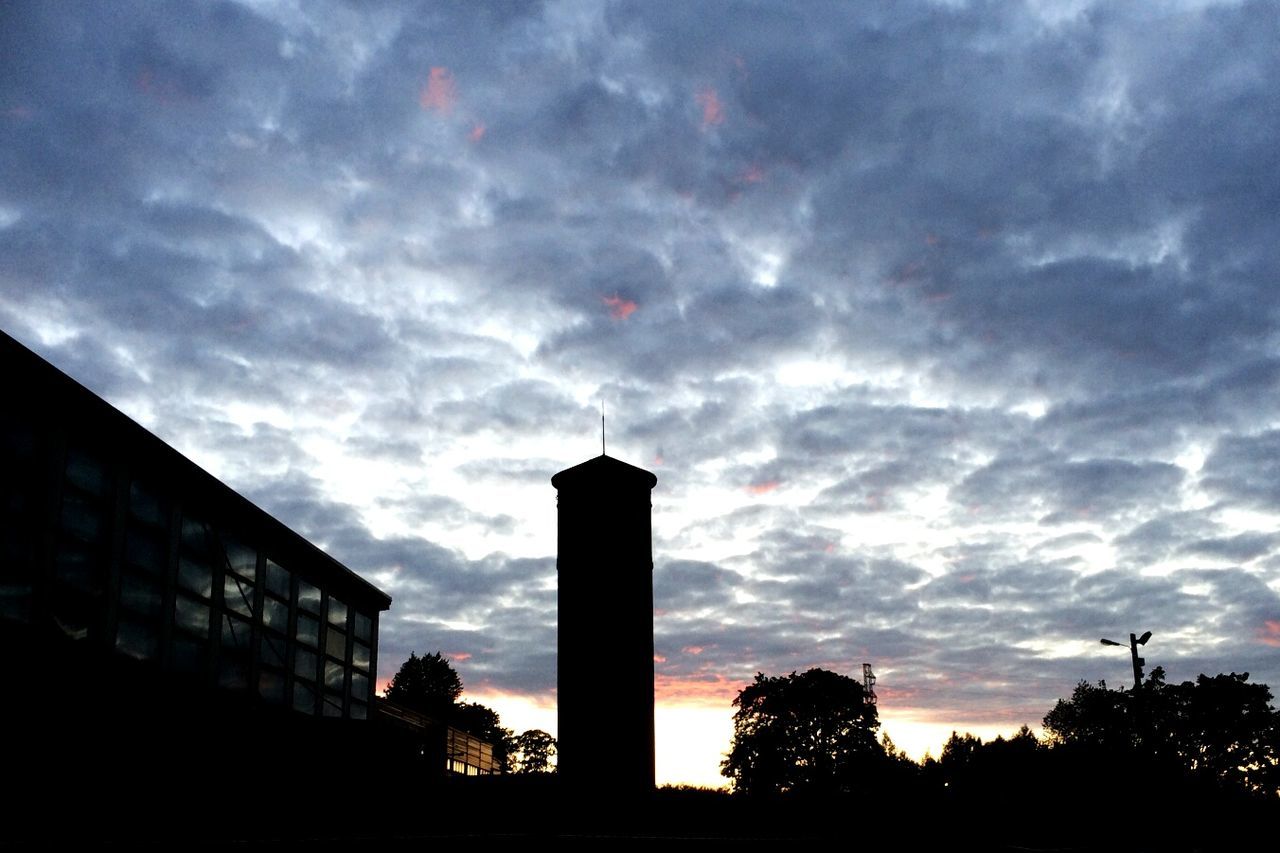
[[161, 634], [605, 635]]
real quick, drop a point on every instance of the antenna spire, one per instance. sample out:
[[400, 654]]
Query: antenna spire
[[602, 450]]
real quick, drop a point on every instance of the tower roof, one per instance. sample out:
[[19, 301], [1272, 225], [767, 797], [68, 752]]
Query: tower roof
[[603, 470]]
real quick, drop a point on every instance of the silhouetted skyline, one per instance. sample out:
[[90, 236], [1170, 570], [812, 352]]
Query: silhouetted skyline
[[949, 329]]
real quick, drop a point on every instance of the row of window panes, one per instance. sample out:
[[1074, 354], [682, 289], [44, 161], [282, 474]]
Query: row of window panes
[[83, 520], [146, 549], [195, 575], [141, 640]]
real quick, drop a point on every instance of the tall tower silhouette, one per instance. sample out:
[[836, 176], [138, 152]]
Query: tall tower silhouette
[[605, 600]]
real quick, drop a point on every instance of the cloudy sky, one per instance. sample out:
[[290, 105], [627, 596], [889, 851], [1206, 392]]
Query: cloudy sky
[[949, 328]]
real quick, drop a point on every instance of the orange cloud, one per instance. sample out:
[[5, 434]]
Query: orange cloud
[[659, 659], [713, 690], [1269, 634], [619, 308], [763, 488], [478, 131], [693, 650], [459, 655], [440, 93], [712, 109]]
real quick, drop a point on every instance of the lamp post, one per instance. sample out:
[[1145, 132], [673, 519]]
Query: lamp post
[[1134, 642]]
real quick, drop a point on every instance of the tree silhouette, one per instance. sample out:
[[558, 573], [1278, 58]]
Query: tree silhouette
[[1002, 767], [813, 732], [1093, 716], [1220, 729], [535, 748], [427, 684]]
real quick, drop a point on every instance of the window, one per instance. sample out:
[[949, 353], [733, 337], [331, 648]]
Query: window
[[237, 595], [360, 656], [335, 644], [359, 687], [147, 549], [80, 566], [240, 558], [305, 664], [308, 630], [275, 614], [272, 651], [195, 575], [362, 626], [334, 675], [141, 594], [195, 535], [146, 541], [304, 698], [337, 613], [332, 706], [87, 472], [191, 615], [146, 506], [308, 598], [235, 635], [278, 580]]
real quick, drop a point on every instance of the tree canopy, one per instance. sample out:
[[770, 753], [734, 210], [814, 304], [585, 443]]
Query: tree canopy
[[427, 684], [1218, 728], [812, 732], [533, 750]]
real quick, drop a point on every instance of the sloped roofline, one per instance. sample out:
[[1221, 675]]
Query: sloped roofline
[[603, 469]]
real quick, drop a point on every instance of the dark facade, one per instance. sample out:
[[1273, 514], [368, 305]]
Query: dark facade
[[605, 602], [154, 621]]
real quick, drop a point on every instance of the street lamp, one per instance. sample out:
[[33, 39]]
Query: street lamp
[[1134, 642]]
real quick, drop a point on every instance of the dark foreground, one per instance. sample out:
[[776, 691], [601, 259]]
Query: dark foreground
[[273, 808]]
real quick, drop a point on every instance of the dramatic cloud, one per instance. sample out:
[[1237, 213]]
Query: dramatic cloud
[[948, 328]]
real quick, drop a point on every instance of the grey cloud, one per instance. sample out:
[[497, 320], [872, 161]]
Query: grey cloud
[[442, 509], [1246, 468], [519, 406], [1242, 548], [722, 328], [1066, 490], [882, 487], [537, 471], [692, 585], [1157, 538]]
